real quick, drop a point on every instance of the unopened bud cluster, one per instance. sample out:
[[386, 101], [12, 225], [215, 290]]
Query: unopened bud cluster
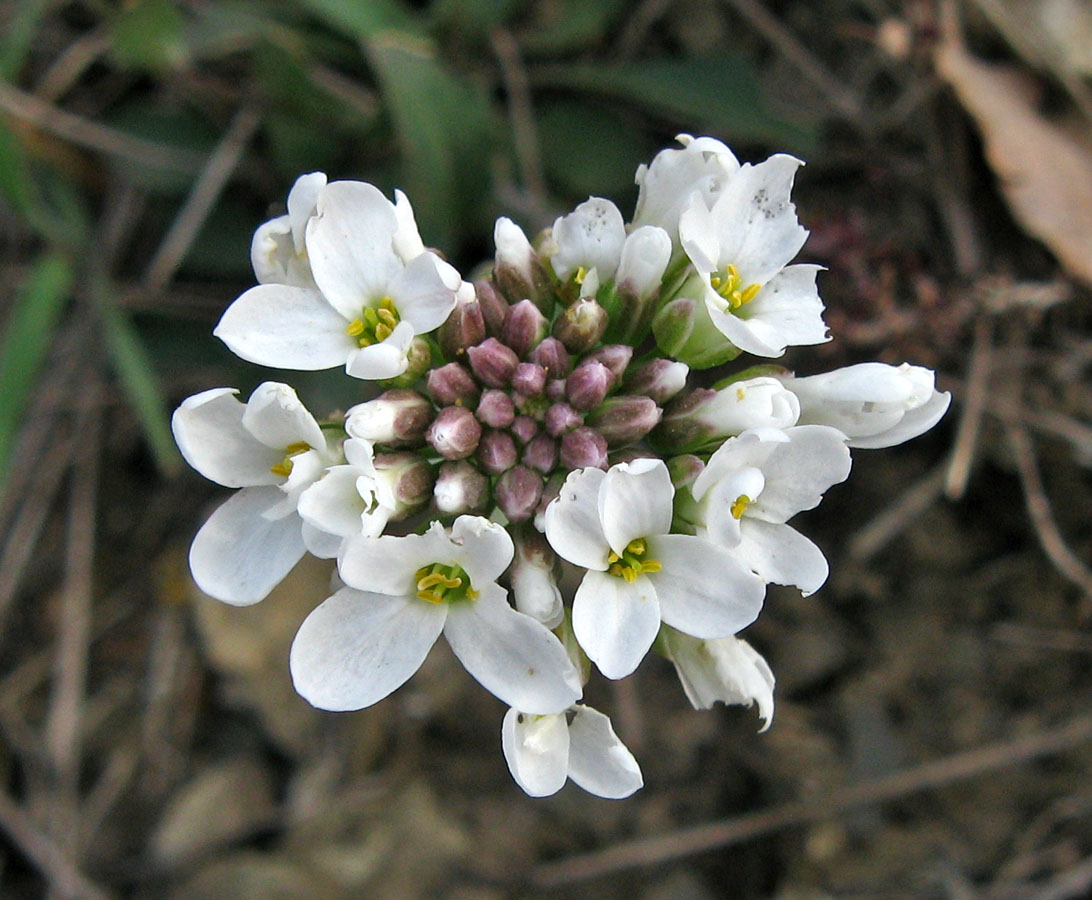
[[551, 416]]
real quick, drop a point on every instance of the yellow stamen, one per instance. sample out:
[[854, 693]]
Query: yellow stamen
[[355, 328], [284, 467], [730, 286], [443, 584], [739, 507], [376, 323], [581, 274], [629, 564]]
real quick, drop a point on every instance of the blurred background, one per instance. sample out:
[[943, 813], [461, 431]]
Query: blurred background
[[933, 734]]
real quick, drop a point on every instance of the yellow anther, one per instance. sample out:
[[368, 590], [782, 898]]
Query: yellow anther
[[652, 566], [730, 286], [354, 328], [613, 557], [733, 272], [382, 331], [443, 584], [740, 394], [283, 469], [387, 317], [739, 507], [581, 274], [629, 564], [749, 293], [376, 323], [298, 447], [637, 547]]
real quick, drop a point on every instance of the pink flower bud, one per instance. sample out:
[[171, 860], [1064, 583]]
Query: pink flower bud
[[452, 384], [493, 306], [462, 329], [584, 447], [496, 409], [410, 478], [398, 417], [623, 420], [524, 428], [588, 385], [659, 379], [524, 327], [561, 418], [553, 357], [460, 488], [497, 452], [614, 356], [529, 379], [493, 363], [455, 433], [555, 389], [517, 493], [541, 453], [581, 325], [684, 469]]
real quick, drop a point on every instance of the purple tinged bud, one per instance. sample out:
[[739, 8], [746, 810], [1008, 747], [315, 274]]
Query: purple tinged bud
[[398, 416], [623, 420], [541, 454], [497, 452], [462, 329], [524, 327], [529, 379], [452, 383], [493, 363], [582, 448], [562, 418], [581, 325], [493, 306], [455, 433], [496, 409], [555, 389], [629, 454], [524, 428], [659, 379], [684, 469], [550, 493], [614, 356], [588, 385], [553, 357], [460, 488], [410, 478], [517, 493]]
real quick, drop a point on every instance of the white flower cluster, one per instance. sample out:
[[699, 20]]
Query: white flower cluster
[[533, 431]]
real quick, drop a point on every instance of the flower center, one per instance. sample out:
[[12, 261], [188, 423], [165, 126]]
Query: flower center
[[375, 323], [284, 467], [630, 564], [444, 584], [739, 507], [730, 286]]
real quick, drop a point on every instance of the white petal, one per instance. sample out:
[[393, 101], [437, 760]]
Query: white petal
[[424, 292], [208, 428], [482, 548], [797, 473], [319, 543], [407, 241], [726, 670], [302, 200], [699, 237], [756, 220], [285, 327], [749, 449], [615, 621], [599, 762], [703, 589], [356, 647], [389, 564], [536, 749], [573, 526], [350, 244], [781, 554], [590, 236], [645, 256], [511, 655], [273, 257], [275, 416], [787, 311], [635, 501], [387, 359], [240, 555], [334, 504], [914, 422], [722, 526]]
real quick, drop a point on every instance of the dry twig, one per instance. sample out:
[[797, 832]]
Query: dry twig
[[974, 404], [927, 776]]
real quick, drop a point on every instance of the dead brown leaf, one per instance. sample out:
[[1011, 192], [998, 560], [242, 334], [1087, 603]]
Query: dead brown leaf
[[1045, 171]]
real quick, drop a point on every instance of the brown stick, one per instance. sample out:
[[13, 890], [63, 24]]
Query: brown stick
[[930, 775]]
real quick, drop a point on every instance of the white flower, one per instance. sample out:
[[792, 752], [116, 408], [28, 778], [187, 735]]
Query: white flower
[[872, 404], [644, 258], [728, 670], [273, 449], [373, 296], [590, 237], [741, 247], [543, 751], [616, 524], [534, 587], [754, 483], [703, 166], [369, 638], [277, 252], [350, 500]]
